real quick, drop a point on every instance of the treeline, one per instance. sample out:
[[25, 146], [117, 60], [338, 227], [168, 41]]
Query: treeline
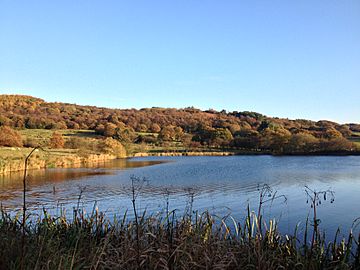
[[190, 127]]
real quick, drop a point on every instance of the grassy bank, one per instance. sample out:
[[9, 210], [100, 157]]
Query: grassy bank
[[167, 241], [13, 159], [78, 148]]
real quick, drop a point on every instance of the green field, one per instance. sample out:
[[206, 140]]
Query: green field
[[43, 135], [148, 134], [355, 138], [14, 153]]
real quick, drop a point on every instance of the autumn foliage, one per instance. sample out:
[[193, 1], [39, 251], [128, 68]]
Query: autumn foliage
[[57, 141], [188, 126], [10, 137]]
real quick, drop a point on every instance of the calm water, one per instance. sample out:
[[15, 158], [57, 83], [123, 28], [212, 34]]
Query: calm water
[[223, 185]]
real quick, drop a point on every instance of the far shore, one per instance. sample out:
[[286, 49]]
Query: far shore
[[239, 153], [71, 159]]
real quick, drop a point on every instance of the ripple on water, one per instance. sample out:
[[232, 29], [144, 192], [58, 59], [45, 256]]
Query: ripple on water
[[220, 184]]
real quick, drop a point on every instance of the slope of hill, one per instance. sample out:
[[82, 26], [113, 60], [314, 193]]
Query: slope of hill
[[187, 127]]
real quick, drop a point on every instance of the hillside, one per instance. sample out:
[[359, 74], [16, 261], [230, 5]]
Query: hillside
[[187, 127]]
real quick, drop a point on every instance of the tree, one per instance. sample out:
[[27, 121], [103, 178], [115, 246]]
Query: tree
[[57, 141], [167, 133], [141, 128], [332, 133], [10, 137], [337, 145], [275, 139], [155, 128], [99, 129], [264, 125], [110, 130], [233, 128], [221, 137], [72, 125], [246, 138], [4, 121], [61, 125], [186, 139], [344, 130], [125, 135], [179, 133], [112, 147], [203, 134], [303, 143], [354, 127]]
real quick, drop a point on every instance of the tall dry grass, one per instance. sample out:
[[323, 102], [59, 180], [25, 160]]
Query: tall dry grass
[[192, 241]]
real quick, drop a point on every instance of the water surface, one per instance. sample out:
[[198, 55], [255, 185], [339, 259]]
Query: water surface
[[223, 185]]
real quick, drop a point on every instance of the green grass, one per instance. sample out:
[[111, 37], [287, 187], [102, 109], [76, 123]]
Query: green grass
[[42, 135], [357, 145], [21, 152], [13, 152], [355, 139], [148, 134], [34, 137], [86, 143]]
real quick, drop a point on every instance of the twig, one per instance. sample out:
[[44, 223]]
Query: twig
[[24, 207]]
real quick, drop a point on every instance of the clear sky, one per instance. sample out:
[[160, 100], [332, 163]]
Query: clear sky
[[296, 59]]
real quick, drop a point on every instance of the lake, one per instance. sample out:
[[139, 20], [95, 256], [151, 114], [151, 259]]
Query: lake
[[222, 185]]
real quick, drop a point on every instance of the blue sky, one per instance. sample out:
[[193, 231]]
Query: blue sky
[[296, 59]]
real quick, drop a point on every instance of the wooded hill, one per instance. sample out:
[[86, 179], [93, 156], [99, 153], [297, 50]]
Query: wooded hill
[[190, 127]]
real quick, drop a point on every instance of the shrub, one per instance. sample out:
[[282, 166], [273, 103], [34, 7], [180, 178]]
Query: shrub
[[113, 147], [83, 144], [10, 137], [31, 142], [56, 140]]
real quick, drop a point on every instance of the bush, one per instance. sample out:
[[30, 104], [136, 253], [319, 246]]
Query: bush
[[31, 142], [112, 147], [56, 141], [10, 137], [149, 139], [83, 144]]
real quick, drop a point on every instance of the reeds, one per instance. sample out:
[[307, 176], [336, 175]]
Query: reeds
[[166, 241]]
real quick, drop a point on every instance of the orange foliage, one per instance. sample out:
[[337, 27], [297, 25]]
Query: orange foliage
[[10, 137]]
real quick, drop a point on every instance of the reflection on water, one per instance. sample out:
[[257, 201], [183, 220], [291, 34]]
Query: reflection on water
[[12, 184], [223, 185]]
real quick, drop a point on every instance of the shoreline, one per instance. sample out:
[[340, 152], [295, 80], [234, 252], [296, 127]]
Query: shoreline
[[190, 153], [74, 160], [238, 153], [37, 163]]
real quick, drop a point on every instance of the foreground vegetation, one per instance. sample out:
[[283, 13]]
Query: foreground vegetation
[[198, 241]]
